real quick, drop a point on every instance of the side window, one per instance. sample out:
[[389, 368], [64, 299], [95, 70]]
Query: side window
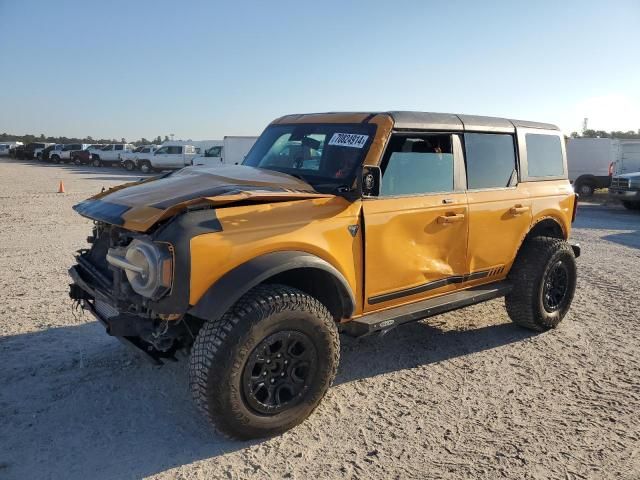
[[491, 160], [119, 147], [214, 152], [417, 164], [544, 155], [162, 150], [174, 150]]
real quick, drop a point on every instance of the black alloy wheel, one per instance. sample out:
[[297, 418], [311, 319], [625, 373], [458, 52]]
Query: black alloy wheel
[[556, 287], [276, 374]]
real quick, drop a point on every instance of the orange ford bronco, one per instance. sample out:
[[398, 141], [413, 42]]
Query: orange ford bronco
[[335, 222]]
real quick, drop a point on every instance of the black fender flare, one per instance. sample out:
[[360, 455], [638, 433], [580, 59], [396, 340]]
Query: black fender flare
[[227, 290]]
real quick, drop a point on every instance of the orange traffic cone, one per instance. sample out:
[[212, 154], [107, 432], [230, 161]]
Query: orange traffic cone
[[61, 187]]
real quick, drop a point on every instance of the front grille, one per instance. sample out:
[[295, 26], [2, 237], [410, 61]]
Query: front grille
[[105, 310], [620, 183]]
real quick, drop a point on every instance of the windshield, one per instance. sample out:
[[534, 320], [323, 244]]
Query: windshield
[[321, 154]]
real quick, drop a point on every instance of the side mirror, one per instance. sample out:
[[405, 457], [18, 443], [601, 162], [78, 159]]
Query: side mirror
[[370, 181]]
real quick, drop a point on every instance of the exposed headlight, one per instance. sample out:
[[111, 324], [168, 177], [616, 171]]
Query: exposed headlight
[[148, 267]]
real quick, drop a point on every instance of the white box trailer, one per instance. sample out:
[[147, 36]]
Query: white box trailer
[[592, 161], [231, 152]]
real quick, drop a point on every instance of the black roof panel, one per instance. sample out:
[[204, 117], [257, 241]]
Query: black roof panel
[[450, 121]]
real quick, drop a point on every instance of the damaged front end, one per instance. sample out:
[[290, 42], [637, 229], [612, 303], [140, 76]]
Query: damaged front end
[[126, 280]]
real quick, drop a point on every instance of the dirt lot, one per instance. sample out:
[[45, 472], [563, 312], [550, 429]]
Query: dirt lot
[[465, 395]]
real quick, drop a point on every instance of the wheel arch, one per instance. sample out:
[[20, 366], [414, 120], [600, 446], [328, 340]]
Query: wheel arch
[[544, 226], [547, 226], [304, 271], [586, 178]]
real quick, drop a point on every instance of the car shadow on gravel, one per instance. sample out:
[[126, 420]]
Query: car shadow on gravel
[[419, 344], [76, 403]]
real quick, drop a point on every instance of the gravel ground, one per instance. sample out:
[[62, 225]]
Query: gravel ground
[[464, 395]]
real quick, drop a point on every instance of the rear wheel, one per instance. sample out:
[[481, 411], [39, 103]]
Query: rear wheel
[[265, 365], [585, 189], [544, 281], [129, 165], [77, 161], [96, 162], [55, 158], [631, 205]]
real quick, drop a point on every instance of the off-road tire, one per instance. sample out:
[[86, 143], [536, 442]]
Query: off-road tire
[[129, 166], [55, 158], [223, 347], [631, 205], [536, 260]]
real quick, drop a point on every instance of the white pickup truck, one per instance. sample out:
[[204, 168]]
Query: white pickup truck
[[110, 154], [131, 160], [64, 154], [231, 152], [168, 157]]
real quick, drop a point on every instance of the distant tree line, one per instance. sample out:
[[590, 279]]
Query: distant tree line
[[602, 134], [5, 137]]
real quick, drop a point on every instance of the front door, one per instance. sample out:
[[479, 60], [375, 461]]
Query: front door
[[416, 230]]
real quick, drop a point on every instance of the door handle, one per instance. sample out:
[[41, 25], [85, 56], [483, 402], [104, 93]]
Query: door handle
[[446, 219], [518, 210]]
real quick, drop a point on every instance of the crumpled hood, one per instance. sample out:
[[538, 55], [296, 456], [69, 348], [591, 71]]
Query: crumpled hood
[[138, 206]]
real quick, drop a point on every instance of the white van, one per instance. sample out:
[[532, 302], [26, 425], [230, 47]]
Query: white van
[[232, 151]]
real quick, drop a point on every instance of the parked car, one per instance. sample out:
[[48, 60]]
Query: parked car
[[29, 151], [231, 151], [129, 160], [168, 157], [65, 154], [110, 154], [626, 188], [46, 153], [81, 157], [256, 268], [5, 148]]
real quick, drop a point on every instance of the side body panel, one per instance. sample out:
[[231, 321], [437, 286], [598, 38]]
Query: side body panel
[[410, 254], [316, 226], [498, 221]]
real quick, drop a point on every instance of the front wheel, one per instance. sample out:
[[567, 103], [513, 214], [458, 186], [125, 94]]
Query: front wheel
[[55, 158], [129, 165], [544, 281], [265, 365], [145, 166], [96, 162]]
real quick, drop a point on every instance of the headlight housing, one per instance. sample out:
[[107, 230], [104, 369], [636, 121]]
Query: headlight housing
[[147, 265]]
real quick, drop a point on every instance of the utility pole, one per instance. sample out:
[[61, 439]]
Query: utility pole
[[584, 125]]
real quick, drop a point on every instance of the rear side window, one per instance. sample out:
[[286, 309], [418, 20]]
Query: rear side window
[[491, 160], [417, 165], [174, 150], [544, 155]]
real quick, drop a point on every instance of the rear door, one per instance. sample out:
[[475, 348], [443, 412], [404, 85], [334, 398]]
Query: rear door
[[499, 206], [416, 230]]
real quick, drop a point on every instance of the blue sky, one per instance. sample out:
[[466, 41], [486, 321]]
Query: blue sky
[[203, 70]]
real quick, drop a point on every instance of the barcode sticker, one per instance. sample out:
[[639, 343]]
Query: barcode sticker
[[348, 140]]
